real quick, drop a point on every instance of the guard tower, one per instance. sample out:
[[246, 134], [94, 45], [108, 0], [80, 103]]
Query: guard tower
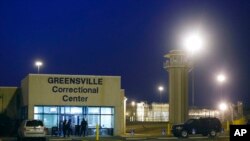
[[178, 67]]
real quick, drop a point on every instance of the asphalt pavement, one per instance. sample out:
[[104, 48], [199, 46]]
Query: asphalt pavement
[[138, 137]]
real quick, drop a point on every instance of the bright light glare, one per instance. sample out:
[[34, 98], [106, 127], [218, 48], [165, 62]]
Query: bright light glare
[[193, 42], [160, 88], [223, 106], [221, 78], [133, 103], [39, 63]]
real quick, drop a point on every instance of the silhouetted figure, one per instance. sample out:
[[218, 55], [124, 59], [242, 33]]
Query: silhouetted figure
[[77, 130], [69, 129], [64, 127], [60, 128], [84, 125]]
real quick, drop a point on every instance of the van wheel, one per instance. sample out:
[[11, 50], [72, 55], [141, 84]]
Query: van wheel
[[212, 133], [184, 134]]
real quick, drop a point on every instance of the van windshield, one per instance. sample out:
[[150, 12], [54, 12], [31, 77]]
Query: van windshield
[[34, 123], [190, 121]]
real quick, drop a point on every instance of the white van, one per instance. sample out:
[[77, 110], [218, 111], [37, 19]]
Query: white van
[[31, 129]]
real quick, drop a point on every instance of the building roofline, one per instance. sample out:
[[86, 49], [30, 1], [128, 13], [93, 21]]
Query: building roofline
[[5, 87], [31, 74]]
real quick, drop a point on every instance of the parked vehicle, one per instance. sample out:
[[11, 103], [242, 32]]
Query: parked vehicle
[[31, 129], [205, 126]]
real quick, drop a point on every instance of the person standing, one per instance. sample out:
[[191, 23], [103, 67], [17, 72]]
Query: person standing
[[64, 126], [69, 129], [84, 125]]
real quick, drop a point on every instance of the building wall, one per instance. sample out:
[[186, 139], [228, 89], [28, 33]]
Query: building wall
[[41, 89], [9, 101], [25, 91], [142, 111], [159, 112]]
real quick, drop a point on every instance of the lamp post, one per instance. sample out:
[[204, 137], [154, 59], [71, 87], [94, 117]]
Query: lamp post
[[223, 107], [161, 88], [193, 42], [38, 64], [231, 107], [221, 78]]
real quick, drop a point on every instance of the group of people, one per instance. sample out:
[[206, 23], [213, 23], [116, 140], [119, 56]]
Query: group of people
[[67, 129]]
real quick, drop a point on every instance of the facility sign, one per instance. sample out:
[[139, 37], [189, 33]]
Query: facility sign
[[75, 85]]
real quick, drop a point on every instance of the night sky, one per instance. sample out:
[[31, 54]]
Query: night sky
[[128, 38]]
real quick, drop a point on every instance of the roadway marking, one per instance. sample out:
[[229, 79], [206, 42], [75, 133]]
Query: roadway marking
[[191, 137]]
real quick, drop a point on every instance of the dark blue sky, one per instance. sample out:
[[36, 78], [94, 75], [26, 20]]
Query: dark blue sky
[[127, 38]]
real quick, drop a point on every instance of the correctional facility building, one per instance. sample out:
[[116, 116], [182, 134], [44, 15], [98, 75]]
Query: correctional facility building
[[54, 98]]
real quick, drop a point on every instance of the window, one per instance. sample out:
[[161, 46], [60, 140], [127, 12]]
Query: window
[[76, 110], [93, 110], [50, 110], [67, 110], [190, 121], [38, 109], [34, 123], [50, 121], [38, 116], [106, 110], [62, 109], [52, 115], [107, 121], [93, 120]]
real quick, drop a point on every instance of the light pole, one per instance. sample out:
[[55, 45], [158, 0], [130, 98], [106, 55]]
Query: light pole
[[223, 107], [221, 78], [38, 64], [232, 111], [193, 42], [161, 88]]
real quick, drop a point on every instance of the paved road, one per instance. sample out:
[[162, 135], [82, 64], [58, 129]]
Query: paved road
[[146, 138], [175, 139]]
